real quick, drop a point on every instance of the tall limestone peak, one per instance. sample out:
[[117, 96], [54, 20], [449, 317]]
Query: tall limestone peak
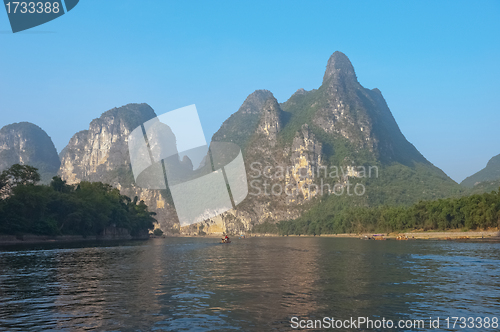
[[339, 68], [27, 144], [296, 151], [101, 154], [345, 109]]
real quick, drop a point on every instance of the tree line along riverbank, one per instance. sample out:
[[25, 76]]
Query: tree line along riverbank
[[93, 210], [474, 212]]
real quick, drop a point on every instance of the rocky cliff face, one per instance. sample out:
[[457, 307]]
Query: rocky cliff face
[[270, 120], [27, 144], [101, 154]]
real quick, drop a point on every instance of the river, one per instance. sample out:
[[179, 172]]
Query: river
[[253, 284]]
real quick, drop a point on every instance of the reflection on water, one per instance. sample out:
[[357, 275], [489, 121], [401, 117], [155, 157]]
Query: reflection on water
[[256, 284]]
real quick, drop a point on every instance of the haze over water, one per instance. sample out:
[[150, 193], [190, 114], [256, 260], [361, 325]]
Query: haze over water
[[256, 284]]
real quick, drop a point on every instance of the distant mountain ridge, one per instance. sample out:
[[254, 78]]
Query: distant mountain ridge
[[27, 144], [490, 173]]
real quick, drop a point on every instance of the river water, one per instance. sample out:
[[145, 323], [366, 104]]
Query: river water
[[255, 284]]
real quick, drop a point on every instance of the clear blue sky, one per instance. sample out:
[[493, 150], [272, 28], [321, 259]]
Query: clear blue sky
[[436, 63]]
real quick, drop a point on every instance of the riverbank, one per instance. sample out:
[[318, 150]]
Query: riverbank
[[448, 235], [491, 234], [487, 235]]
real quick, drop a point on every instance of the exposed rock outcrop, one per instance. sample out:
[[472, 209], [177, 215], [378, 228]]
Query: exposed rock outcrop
[[101, 154], [270, 120], [27, 144]]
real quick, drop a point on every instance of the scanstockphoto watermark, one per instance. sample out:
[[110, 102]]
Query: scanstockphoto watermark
[[24, 15], [308, 180], [482, 323]]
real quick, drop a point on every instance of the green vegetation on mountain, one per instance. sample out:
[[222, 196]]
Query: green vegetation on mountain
[[484, 187], [488, 174], [60, 209], [299, 109], [265, 228], [240, 126]]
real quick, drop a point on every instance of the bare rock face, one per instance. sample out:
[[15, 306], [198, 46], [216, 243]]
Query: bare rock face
[[101, 154], [254, 102], [270, 121], [187, 163], [27, 144], [340, 70], [305, 146], [305, 159]]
